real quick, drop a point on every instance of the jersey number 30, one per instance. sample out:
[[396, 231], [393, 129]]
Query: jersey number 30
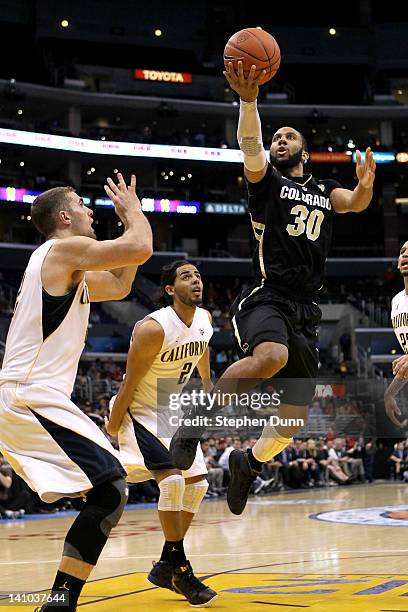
[[305, 220], [184, 373]]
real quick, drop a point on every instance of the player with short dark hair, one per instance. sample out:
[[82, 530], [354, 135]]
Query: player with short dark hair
[[52, 444], [166, 347], [275, 320]]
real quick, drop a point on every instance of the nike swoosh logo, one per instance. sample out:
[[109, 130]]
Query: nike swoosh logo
[[233, 57]]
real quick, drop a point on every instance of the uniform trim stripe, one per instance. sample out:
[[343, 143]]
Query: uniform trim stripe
[[233, 321]]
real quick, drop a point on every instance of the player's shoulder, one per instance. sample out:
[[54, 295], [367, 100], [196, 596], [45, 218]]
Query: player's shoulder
[[149, 326], [398, 297], [327, 185], [205, 312]]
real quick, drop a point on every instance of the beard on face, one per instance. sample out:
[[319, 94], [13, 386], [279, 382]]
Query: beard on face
[[191, 301], [289, 162]]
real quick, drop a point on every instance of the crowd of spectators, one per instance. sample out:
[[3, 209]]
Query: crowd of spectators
[[304, 464]]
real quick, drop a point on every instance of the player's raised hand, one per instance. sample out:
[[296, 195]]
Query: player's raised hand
[[365, 170], [124, 197], [246, 87]]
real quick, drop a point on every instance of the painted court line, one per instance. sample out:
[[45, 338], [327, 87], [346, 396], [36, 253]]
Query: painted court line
[[329, 555]]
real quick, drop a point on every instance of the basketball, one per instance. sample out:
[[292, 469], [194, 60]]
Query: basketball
[[254, 46]]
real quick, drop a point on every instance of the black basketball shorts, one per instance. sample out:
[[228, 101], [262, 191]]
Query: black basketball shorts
[[262, 314]]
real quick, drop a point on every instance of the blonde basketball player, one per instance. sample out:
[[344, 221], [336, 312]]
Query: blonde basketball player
[[399, 318], [166, 347], [48, 441]]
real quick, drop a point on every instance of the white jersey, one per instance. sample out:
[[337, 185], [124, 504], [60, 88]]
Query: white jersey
[[172, 367], [399, 318], [47, 334]]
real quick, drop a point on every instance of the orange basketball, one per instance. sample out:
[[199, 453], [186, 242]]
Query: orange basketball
[[253, 46]]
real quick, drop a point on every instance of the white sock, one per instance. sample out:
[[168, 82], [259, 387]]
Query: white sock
[[269, 444]]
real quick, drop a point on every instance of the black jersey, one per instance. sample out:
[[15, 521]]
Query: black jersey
[[292, 222]]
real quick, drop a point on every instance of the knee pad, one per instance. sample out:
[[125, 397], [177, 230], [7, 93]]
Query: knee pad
[[102, 510], [171, 493], [194, 495]]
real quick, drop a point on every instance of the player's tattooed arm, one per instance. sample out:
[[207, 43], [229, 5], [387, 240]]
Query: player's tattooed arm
[[400, 370], [146, 344], [345, 200], [249, 133]]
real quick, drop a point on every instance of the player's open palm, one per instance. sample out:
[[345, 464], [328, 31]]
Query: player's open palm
[[123, 197], [246, 87], [365, 170]]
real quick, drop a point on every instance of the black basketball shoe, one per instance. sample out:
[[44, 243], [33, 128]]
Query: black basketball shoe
[[185, 583], [161, 574], [242, 477]]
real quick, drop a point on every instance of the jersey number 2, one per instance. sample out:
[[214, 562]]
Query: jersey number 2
[[184, 373], [305, 221]]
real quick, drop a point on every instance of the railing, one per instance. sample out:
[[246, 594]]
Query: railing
[[365, 366]]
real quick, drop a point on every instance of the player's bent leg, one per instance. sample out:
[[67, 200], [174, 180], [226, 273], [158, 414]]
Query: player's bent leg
[[86, 539], [268, 359]]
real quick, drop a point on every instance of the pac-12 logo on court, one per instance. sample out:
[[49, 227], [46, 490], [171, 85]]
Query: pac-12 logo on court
[[384, 516]]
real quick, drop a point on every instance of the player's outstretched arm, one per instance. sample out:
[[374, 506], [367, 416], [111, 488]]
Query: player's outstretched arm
[[116, 284], [147, 342], [345, 200], [249, 132], [133, 248]]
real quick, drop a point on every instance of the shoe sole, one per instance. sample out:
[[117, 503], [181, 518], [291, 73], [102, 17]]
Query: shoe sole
[[206, 604], [232, 463]]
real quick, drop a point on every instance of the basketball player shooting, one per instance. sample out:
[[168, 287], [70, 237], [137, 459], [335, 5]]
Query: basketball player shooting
[[275, 320], [48, 440], [166, 347], [399, 318]]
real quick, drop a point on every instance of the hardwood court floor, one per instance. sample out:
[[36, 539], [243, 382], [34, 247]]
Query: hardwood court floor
[[283, 554]]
